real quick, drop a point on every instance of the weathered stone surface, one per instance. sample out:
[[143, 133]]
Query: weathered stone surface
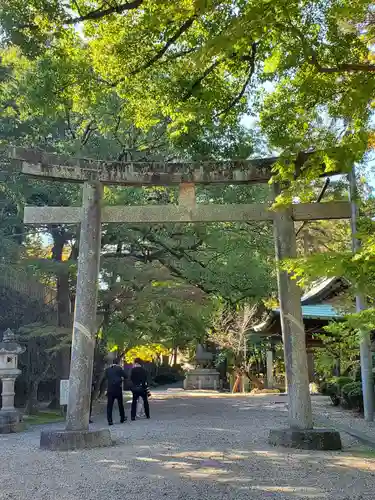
[[293, 330], [10, 422], [84, 327], [51, 166], [75, 440], [306, 439], [269, 365], [202, 379], [177, 213], [186, 195], [10, 419]]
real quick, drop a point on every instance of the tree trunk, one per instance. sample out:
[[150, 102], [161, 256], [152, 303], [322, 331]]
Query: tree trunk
[[174, 356], [32, 398], [62, 277], [64, 309]]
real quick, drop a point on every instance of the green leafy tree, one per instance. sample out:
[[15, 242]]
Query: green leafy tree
[[195, 63]]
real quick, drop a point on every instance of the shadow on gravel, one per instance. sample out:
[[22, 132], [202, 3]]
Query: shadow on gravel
[[193, 448], [267, 473]]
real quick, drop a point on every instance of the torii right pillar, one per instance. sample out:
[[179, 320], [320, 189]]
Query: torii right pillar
[[300, 433]]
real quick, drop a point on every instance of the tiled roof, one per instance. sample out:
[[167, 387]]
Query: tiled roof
[[317, 287], [319, 311]]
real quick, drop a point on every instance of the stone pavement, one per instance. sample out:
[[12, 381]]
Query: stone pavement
[[196, 446]]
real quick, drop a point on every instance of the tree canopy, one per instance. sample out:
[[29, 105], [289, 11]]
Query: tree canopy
[[194, 63], [150, 80]]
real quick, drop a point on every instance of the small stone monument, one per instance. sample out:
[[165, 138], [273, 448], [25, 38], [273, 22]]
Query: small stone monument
[[10, 418], [202, 377]]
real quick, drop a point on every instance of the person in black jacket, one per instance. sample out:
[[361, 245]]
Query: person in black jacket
[[138, 379], [115, 376]]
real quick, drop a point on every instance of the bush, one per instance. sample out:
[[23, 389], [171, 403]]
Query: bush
[[342, 381], [166, 378], [169, 375], [333, 388], [353, 396]]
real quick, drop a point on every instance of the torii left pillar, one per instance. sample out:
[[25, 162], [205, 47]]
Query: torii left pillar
[[77, 433]]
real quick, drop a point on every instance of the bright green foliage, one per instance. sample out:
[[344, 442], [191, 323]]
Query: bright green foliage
[[148, 79], [358, 268], [192, 63], [340, 344], [142, 266]]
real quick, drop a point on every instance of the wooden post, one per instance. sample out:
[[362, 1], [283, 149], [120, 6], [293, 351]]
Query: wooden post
[[83, 342], [293, 331]]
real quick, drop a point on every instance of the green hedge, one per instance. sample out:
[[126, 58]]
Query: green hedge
[[345, 391], [333, 388], [353, 396]]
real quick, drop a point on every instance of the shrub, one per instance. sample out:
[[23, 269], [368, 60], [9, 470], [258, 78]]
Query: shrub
[[169, 375], [352, 395], [333, 388], [342, 381], [166, 378]]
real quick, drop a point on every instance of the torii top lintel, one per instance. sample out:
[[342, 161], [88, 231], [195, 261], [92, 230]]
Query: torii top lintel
[[64, 168]]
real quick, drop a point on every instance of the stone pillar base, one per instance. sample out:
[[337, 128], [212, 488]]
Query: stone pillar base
[[306, 439], [10, 422], [202, 379], [75, 440]]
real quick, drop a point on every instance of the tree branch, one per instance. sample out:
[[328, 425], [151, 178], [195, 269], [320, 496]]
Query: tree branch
[[87, 132], [312, 59], [318, 200], [197, 82], [182, 53], [251, 70], [100, 13], [342, 68], [68, 122], [77, 7], [168, 43]]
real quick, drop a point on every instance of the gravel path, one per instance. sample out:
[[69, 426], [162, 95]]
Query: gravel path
[[195, 447], [351, 419]]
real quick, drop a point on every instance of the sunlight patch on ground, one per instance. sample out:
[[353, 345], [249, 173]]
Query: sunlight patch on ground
[[203, 464], [147, 459], [219, 456], [268, 454], [205, 473], [299, 492], [212, 394], [177, 465], [219, 429], [354, 463]]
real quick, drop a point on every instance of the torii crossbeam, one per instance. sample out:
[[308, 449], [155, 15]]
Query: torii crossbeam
[[93, 174]]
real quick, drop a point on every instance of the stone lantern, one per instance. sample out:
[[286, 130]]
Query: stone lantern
[[202, 377], [10, 418]]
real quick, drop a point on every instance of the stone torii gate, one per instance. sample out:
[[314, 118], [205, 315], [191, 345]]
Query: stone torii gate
[[93, 175]]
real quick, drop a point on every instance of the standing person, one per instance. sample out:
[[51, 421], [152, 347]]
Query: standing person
[[138, 379], [115, 376]]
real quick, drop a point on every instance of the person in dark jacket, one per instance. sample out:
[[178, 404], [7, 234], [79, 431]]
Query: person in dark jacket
[[138, 379], [115, 376]]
